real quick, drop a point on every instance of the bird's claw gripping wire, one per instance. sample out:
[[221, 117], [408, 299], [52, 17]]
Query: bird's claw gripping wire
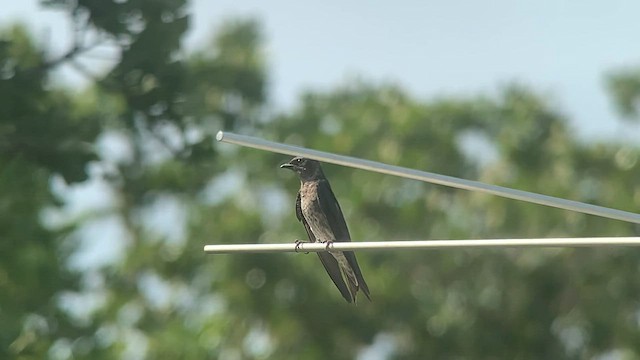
[[328, 243], [298, 243]]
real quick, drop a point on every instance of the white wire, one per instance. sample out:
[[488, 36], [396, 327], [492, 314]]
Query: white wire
[[422, 244], [369, 165]]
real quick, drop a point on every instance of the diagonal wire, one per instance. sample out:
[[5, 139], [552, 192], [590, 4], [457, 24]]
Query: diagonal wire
[[374, 166]]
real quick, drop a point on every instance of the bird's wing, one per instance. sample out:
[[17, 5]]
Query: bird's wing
[[299, 213], [328, 261], [333, 213]]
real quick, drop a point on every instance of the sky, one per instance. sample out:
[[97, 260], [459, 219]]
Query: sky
[[562, 49]]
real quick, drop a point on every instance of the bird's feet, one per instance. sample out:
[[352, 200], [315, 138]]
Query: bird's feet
[[328, 244], [298, 243]]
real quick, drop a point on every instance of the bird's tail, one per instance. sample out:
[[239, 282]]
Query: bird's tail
[[354, 284]]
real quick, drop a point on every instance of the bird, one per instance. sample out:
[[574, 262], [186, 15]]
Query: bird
[[318, 210]]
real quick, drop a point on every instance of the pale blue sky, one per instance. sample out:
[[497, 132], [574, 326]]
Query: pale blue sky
[[432, 48], [449, 47]]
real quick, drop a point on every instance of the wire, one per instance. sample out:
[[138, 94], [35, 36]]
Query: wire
[[369, 165], [421, 244]]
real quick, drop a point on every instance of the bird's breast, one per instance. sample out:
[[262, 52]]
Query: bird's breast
[[314, 214]]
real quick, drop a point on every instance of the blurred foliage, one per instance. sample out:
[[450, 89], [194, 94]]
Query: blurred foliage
[[159, 109], [624, 86], [42, 136]]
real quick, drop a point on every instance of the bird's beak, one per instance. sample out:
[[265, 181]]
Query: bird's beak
[[286, 166]]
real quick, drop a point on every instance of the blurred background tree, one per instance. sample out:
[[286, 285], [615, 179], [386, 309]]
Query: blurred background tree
[[142, 136]]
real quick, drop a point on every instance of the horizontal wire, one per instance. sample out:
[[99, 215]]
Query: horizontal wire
[[374, 166], [422, 244]]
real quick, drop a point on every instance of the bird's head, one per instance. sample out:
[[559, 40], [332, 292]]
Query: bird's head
[[307, 169]]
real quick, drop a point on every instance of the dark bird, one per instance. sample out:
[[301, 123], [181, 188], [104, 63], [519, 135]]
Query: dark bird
[[320, 213]]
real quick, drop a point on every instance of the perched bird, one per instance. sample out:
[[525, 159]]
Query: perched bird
[[318, 210]]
